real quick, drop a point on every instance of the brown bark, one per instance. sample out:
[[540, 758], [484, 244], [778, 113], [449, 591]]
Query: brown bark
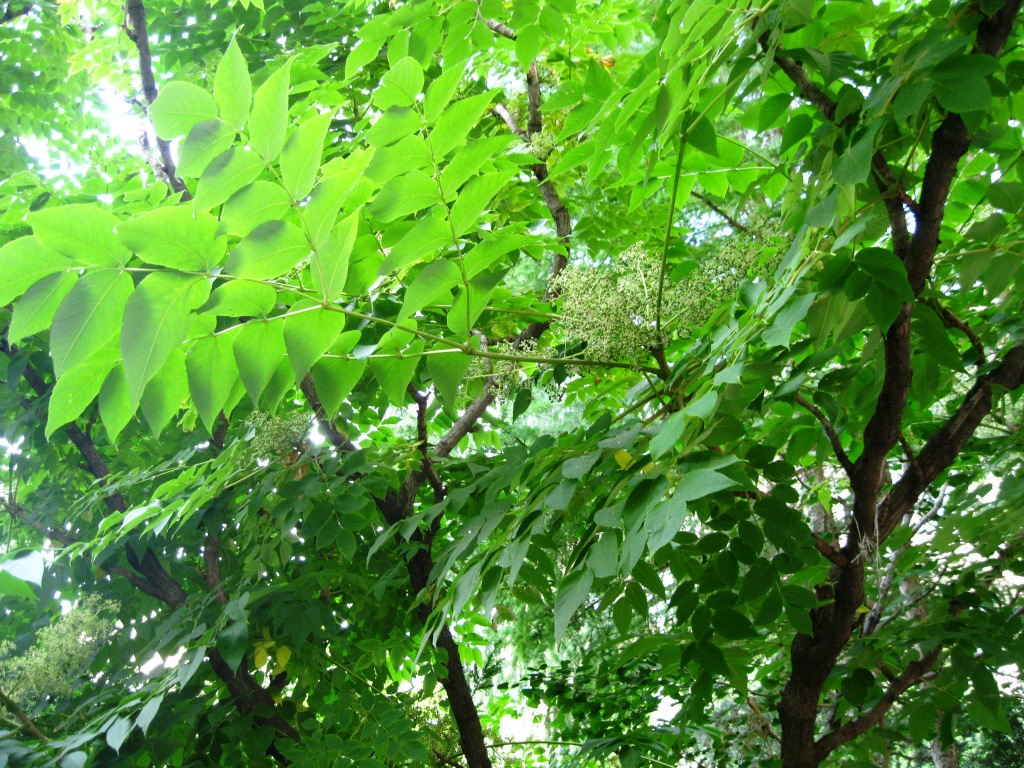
[[875, 516]]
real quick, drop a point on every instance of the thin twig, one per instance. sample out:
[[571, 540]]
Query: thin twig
[[496, 26], [830, 433]]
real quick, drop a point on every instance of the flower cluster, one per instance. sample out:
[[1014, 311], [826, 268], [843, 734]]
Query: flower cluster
[[61, 652], [539, 145], [277, 436], [613, 308]]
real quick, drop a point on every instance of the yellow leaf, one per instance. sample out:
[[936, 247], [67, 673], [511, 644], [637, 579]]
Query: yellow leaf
[[283, 654], [623, 458], [262, 656]]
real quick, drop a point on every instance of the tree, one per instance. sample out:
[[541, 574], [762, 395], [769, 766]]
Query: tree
[[770, 255]]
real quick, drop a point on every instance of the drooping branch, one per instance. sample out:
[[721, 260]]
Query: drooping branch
[[136, 28]]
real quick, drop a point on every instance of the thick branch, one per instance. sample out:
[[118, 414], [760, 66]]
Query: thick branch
[[945, 445], [911, 676], [137, 30], [26, 722]]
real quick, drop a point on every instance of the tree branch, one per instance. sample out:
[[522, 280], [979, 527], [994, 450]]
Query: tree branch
[[26, 722], [326, 422], [11, 13], [830, 432], [496, 26], [136, 28], [910, 676]]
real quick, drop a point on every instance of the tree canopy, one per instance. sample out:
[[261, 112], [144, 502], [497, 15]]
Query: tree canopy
[[385, 380]]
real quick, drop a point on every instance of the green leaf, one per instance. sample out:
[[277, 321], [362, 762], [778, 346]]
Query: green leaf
[[394, 125], [732, 625], [204, 142], [29, 567], [83, 233], [88, 318], [115, 403], [666, 438], [603, 559], [212, 373], [77, 388], [394, 373], [253, 205], [35, 309], [232, 87], [175, 237], [258, 348], [474, 198], [179, 107], [411, 153], [166, 392], [401, 85], [700, 483], [309, 332], [448, 371], [779, 333], [268, 120], [271, 250], [664, 521], [702, 135], [855, 165], [334, 379], [23, 263], [329, 265], [571, 593], [118, 732], [156, 320], [441, 90], [404, 195], [470, 303], [456, 122], [300, 160], [149, 712], [225, 175], [431, 233], [233, 642], [529, 44], [433, 283], [965, 95], [241, 298]]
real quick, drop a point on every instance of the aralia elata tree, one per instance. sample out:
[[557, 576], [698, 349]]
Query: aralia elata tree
[[770, 252]]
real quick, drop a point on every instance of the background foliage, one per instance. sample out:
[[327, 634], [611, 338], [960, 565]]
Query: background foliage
[[535, 383]]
